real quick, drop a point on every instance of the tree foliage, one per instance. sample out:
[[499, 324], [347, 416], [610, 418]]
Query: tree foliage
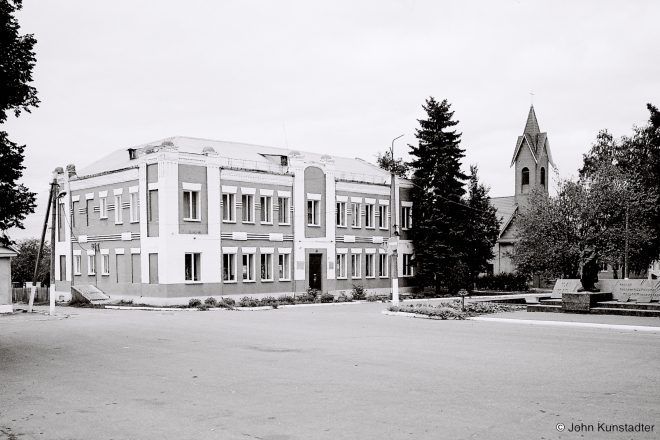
[[553, 231], [17, 59], [482, 226], [22, 266], [637, 158], [397, 166]]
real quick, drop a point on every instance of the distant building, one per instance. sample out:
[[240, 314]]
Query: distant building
[[531, 160], [185, 217]]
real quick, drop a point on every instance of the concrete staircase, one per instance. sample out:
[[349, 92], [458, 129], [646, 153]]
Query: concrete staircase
[[609, 307], [87, 293]]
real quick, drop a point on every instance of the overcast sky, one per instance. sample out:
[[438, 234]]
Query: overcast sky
[[343, 77]]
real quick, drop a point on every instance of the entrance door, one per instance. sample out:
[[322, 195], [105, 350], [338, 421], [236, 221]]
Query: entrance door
[[315, 271]]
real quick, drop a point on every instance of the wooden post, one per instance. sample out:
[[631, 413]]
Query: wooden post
[[41, 248]]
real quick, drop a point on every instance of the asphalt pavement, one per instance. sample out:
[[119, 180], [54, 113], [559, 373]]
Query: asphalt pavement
[[320, 373]]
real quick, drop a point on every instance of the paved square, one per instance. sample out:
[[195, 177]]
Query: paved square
[[337, 372]]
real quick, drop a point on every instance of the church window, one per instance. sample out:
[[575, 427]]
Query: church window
[[542, 176], [525, 176]]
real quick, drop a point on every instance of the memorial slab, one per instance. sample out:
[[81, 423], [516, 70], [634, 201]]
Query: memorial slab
[[634, 289], [565, 286]]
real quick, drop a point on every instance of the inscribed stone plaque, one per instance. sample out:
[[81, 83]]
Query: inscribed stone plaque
[[656, 290], [565, 286], [635, 289]]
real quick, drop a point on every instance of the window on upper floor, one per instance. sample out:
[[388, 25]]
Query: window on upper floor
[[119, 209], [355, 215], [369, 215], [191, 205], [341, 214], [266, 203], [247, 207], [228, 208], [284, 214], [542, 176], [103, 207], [406, 217], [134, 207], [313, 212]]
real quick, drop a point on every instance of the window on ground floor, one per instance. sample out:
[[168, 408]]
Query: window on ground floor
[[248, 267], [193, 267], [229, 268], [285, 267], [266, 267]]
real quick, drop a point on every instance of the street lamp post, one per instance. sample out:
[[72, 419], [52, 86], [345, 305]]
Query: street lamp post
[[393, 242]]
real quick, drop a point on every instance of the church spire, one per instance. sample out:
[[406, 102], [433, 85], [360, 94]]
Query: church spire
[[532, 125]]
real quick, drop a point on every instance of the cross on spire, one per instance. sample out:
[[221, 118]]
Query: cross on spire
[[532, 94]]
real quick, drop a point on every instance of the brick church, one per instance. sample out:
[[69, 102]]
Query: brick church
[[531, 160]]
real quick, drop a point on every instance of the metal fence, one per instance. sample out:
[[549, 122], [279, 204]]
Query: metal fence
[[23, 295]]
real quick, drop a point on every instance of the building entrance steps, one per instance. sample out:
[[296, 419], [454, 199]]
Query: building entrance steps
[[88, 293]]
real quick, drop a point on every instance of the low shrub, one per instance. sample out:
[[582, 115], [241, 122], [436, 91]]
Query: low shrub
[[372, 297], [286, 299], [268, 301], [228, 302], [211, 302], [358, 292], [505, 281], [248, 301], [202, 307], [327, 298], [453, 309], [343, 298], [194, 302]]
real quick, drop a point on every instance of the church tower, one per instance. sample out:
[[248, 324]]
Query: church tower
[[532, 158]]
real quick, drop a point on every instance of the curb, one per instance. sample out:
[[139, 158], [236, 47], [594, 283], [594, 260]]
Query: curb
[[637, 328], [249, 309], [416, 315]]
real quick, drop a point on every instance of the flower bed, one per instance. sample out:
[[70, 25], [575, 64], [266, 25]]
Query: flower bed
[[452, 309]]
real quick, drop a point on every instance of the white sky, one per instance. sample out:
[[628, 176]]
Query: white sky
[[344, 77]]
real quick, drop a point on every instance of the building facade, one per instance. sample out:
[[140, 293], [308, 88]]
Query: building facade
[[184, 217]]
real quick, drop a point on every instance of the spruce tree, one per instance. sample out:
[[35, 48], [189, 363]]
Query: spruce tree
[[439, 214]]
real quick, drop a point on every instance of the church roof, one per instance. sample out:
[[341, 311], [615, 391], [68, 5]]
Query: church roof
[[533, 139], [506, 208]]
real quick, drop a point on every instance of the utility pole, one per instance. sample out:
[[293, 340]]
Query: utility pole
[[53, 224], [51, 198]]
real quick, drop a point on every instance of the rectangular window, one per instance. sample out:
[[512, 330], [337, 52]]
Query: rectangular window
[[91, 264], [191, 206], [356, 268], [193, 267], [266, 203], [313, 213], [285, 267], [77, 262], [406, 217], [266, 267], [248, 267], [382, 265], [89, 207], [341, 265], [283, 205], [341, 214], [103, 207], [153, 206], [407, 267], [105, 264], [228, 208], [247, 207], [135, 211], [355, 213], [119, 219], [369, 215], [74, 210], [229, 268], [382, 216], [370, 265]]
